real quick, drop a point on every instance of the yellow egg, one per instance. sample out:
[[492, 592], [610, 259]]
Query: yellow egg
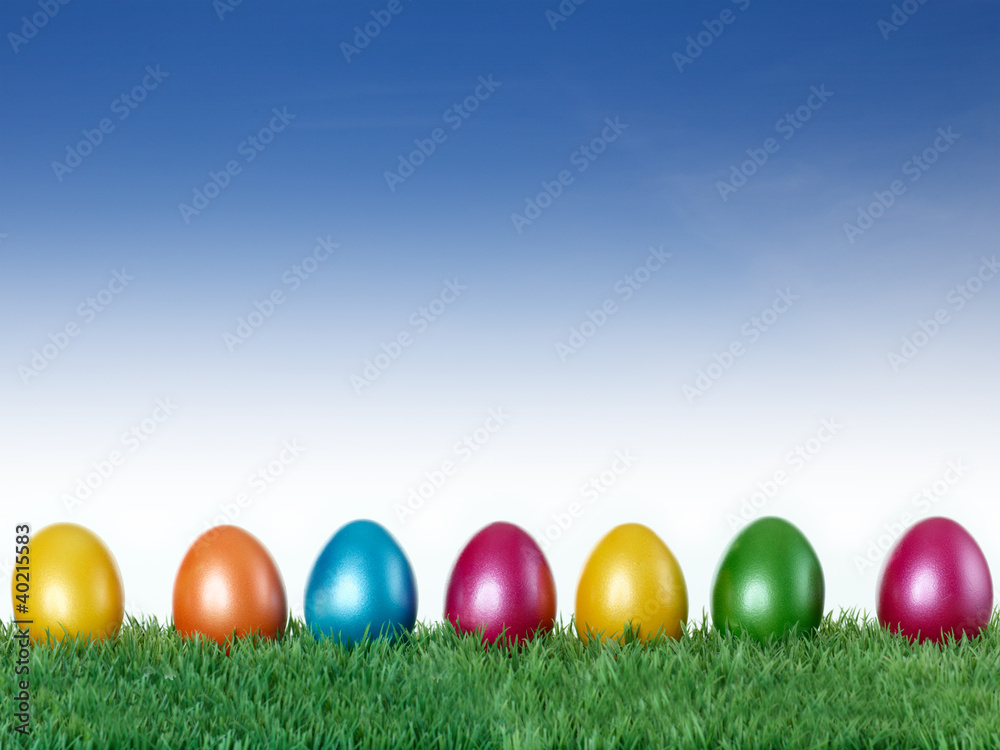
[[631, 583], [74, 585]]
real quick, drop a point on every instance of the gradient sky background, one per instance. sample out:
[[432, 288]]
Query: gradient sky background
[[494, 347]]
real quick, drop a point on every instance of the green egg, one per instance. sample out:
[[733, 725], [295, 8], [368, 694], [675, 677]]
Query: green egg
[[768, 582]]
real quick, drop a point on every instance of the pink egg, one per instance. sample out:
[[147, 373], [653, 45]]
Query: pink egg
[[501, 580], [935, 581]]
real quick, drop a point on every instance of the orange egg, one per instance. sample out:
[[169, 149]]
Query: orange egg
[[228, 584]]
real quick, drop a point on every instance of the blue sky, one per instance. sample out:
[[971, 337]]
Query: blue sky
[[320, 172]]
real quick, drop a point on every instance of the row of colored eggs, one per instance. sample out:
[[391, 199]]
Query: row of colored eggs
[[935, 582]]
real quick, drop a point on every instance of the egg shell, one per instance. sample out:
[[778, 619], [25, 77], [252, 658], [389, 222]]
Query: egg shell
[[501, 580], [631, 587], [361, 583], [228, 584], [768, 581], [935, 582], [74, 585]]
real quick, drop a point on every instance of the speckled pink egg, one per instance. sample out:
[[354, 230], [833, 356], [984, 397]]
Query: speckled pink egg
[[934, 582], [501, 583]]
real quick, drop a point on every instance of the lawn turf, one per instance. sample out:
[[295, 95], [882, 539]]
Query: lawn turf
[[851, 684]]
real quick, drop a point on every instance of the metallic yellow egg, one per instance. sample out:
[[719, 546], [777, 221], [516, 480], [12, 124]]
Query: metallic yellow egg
[[74, 585], [631, 588]]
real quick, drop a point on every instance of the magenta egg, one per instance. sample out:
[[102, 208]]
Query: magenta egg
[[501, 583], [934, 582]]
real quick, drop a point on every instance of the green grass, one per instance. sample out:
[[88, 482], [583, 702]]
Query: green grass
[[851, 684]]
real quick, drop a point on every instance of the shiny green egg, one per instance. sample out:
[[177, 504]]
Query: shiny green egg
[[768, 582]]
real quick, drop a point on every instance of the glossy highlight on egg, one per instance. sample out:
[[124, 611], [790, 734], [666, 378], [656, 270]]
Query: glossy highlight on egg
[[73, 583], [361, 586], [631, 587], [227, 586], [501, 584], [768, 582], [935, 583]]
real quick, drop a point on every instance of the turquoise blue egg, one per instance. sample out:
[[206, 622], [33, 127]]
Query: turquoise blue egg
[[361, 585]]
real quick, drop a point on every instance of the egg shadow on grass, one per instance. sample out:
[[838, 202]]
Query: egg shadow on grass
[[390, 634], [76, 643], [787, 637], [630, 635], [504, 642], [233, 641], [943, 640]]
